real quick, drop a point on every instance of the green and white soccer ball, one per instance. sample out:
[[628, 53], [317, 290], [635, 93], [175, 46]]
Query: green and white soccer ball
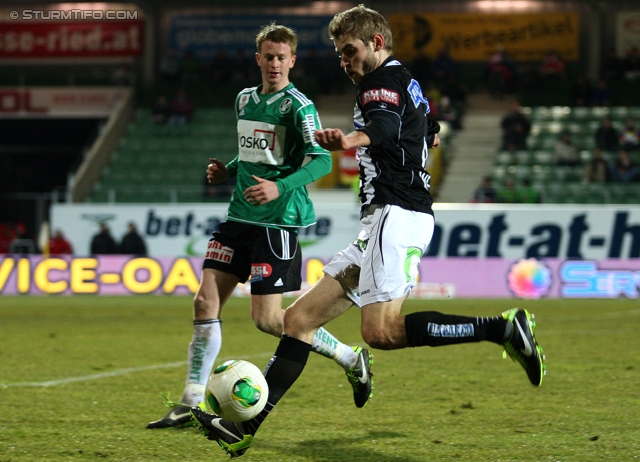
[[236, 391]]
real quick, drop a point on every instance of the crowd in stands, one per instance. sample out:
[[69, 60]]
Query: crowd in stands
[[438, 79], [15, 239], [103, 243], [179, 112], [613, 158]]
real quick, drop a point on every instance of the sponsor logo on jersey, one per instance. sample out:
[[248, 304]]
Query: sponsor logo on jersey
[[259, 271], [219, 252], [285, 105], [244, 99], [416, 95], [261, 142], [309, 129], [380, 94], [261, 139]]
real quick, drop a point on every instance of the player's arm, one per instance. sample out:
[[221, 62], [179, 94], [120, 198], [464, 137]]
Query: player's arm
[[217, 171], [266, 190], [383, 120], [318, 166]]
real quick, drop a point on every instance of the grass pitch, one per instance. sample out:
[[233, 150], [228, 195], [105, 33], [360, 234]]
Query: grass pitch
[[80, 377]]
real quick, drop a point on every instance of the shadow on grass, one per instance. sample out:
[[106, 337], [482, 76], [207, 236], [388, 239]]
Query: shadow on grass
[[351, 449]]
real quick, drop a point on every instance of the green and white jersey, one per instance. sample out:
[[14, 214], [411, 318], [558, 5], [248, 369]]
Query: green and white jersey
[[275, 133]]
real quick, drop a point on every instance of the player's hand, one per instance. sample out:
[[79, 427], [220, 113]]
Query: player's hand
[[332, 139], [216, 171], [265, 191], [436, 141]]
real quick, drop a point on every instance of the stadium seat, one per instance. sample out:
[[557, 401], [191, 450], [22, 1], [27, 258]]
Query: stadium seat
[[523, 157], [543, 157], [504, 158]]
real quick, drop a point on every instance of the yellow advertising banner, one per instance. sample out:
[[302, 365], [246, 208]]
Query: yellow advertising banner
[[475, 36]]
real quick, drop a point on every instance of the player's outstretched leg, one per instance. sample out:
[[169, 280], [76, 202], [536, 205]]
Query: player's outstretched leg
[[179, 416], [522, 345], [225, 433], [360, 376]]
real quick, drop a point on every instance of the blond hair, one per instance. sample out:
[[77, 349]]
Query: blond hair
[[361, 23], [277, 34]]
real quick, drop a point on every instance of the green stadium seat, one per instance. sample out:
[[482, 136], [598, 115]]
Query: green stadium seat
[[600, 112], [519, 172], [504, 158], [580, 114], [543, 157], [523, 157], [619, 112], [541, 173], [499, 173]]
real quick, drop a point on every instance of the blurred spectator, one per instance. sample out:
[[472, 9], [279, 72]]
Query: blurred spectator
[[447, 112], [6, 236], [606, 136], [582, 92], [132, 243], [507, 194], [565, 151], [242, 67], [103, 243], [443, 65], [189, 69], [612, 66], [629, 136], [515, 129], [601, 94], [58, 244], [221, 67], [123, 75], [500, 72], [161, 111], [22, 243], [631, 63], [552, 66], [527, 194], [597, 170], [432, 92], [181, 108], [623, 168], [420, 67], [169, 67], [332, 77], [486, 193], [456, 92]]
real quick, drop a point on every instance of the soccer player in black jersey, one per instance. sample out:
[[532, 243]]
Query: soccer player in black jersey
[[378, 270]]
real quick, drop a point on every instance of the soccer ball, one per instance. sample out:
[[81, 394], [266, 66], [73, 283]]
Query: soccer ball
[[236, 391]]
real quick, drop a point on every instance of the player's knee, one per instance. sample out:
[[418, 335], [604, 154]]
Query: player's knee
[[204, 308], [380, 339], [294, 321], [268, 324]]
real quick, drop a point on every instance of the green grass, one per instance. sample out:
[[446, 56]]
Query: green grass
[[438, 404]]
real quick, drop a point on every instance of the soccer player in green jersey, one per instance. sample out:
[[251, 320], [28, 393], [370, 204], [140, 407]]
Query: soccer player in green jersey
[[276, 127]]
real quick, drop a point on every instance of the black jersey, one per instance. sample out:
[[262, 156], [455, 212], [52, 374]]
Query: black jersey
[[393, 167]]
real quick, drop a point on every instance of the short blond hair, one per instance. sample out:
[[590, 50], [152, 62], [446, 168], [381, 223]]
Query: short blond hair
[[361, 23], [277, 34]]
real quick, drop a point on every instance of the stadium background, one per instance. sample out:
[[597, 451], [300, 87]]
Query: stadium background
[[78, 146]]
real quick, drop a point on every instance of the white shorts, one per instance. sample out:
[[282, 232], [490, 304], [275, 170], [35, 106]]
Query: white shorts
[[383, 262]]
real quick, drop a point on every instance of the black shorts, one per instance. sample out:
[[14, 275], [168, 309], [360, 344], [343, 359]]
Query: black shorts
[[272, 257]]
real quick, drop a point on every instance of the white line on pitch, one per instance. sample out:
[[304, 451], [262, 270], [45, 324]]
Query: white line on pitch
[[102, 375]]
